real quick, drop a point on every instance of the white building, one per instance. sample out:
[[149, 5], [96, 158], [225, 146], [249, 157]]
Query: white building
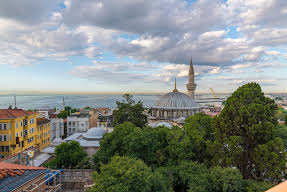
[[78, 123], [57, 128]]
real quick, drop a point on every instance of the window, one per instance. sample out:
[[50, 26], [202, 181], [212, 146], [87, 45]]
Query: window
[[5, 126], [16, 125], [10, 126], [0, 137], [25, 132], [21, 123], [21, 133], [17, 135], [10, 136], [0, 126], [25, 122], [5, 138]]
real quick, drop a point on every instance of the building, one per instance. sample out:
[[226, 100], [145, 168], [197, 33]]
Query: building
[[44, 133], [57, 127], [18, 130], [174, 107], [81, 122], [78, 122], [89, 140], [15, 177], [105, 118]]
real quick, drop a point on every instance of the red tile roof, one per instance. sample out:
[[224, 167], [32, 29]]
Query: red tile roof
[[42, 121], [13, 170], [14, 113], [4, 166]]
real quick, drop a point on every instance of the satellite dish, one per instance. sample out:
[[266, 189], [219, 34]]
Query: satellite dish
[[31, 154]]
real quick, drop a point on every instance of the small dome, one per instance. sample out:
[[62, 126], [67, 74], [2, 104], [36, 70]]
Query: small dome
[[96, 133], [176, 100], [57, 141], [163, 123], [180, 120]]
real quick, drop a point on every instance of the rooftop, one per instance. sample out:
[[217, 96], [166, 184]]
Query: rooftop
[[14, 113], [42, 121], [281, 187], [12, 176], [80, 115], [176, 100]]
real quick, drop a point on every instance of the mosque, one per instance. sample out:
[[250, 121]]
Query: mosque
[[174, 107]]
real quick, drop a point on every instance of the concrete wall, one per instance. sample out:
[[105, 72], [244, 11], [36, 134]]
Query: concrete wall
[[76, 179]]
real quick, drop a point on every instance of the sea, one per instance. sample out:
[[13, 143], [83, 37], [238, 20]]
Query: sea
[[80, 101], [75, 101]]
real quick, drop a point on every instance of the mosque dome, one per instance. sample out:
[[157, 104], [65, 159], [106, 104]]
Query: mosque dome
[[176, 100], [94, 133]]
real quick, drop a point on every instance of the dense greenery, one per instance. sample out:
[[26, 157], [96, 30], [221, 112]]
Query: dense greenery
[[245, 135], [65, 113], [69, 155], [241, 150], [281, 114], [125, 174], [129, 110]]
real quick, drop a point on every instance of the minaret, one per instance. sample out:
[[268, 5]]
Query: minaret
[[175, 89], [191, 86], [63, 104]]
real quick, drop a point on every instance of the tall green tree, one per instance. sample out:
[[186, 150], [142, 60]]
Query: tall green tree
[[129, 110], [200, 130], [245, 130], [123, 174], [147, 144], [113, 143], [69, 155]]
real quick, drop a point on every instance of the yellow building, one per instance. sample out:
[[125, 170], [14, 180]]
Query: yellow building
[[19, 131], [43, 133]]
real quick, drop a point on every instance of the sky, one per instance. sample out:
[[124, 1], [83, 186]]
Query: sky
[[141, 46]]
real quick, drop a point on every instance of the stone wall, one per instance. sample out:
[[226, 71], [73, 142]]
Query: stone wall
[[75, 180]]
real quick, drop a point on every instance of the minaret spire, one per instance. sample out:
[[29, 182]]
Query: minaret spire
[[175, 89], [191, 86]]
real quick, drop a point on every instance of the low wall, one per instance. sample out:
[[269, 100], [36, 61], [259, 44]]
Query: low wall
[[76, 179]]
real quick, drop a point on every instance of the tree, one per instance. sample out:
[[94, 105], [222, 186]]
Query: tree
[[147, 144], [186, 176], [180, 146], [112, 143], [225, 180], [244, 130], [257, 186], [128, 110], [66, 112], [281, 131], [200, 130], [69, 155], [123, 174]]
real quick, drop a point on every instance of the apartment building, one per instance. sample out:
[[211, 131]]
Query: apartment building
[[18, 131]]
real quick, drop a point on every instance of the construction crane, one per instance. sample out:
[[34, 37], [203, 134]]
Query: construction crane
[[212, 92]]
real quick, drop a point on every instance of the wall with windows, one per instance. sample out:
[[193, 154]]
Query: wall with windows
[[17, 134]]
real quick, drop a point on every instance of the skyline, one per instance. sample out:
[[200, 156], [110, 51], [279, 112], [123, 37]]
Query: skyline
[[137, 46]]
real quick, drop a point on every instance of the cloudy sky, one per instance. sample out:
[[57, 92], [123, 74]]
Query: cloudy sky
[[142, 45]]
